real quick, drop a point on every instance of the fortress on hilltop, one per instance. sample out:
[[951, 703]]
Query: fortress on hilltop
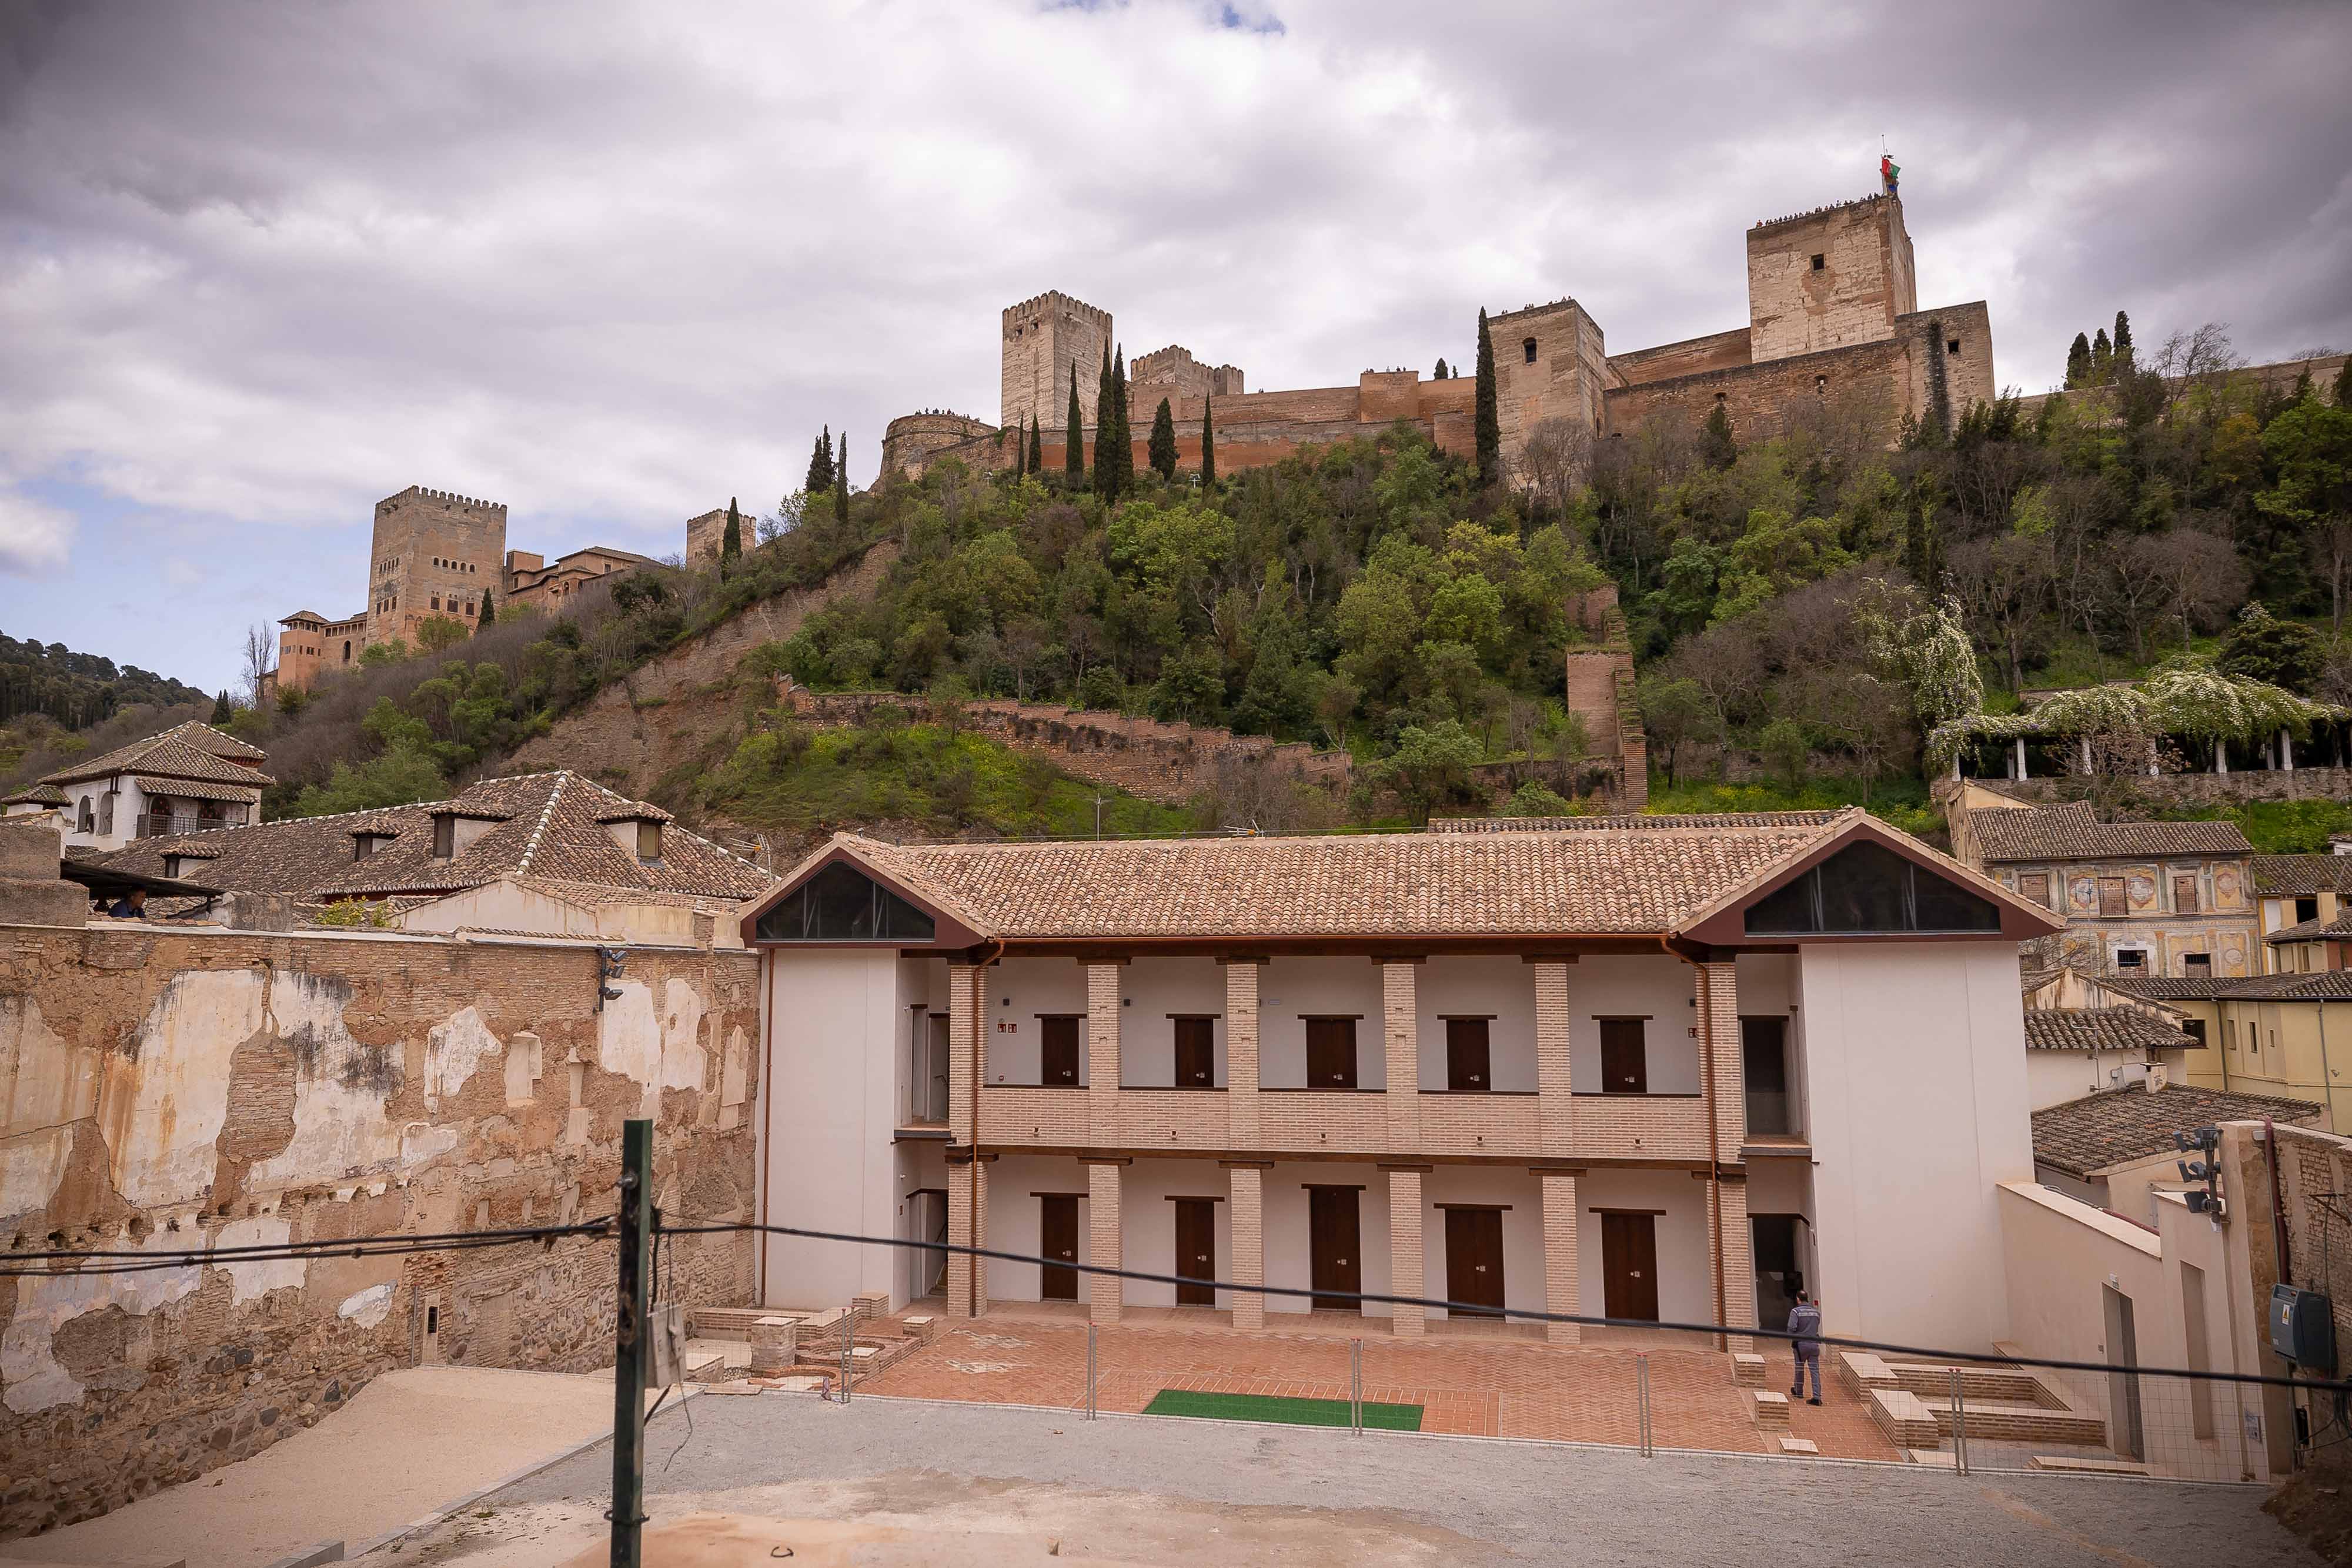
[[1834, 327]]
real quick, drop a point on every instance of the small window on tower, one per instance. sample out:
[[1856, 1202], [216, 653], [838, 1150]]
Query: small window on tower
[[1530, 347], [1820, 261], [1821, 384], [1951, 345], [437, 602]]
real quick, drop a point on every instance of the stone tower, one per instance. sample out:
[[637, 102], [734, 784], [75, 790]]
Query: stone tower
[[1551, 362], [1043, 337], [1829, 279], [435, 554]]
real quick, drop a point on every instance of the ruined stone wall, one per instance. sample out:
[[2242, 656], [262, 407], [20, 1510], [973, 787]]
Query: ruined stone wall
[[171, 1091]]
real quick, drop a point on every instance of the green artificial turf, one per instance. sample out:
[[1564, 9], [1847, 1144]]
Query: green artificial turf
[[1289, 1412]]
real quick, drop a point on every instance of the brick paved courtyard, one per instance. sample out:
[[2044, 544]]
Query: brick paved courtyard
[[1471, 1379]]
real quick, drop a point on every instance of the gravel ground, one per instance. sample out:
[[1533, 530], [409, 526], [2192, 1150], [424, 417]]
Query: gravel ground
[[1162, 1491]]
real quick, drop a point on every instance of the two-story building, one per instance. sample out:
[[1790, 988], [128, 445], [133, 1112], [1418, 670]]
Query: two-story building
[[187, 778], [2140, 899], [1645, 1067], [2298, 891]]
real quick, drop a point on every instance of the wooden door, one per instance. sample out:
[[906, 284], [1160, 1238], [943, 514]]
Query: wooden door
[[1196, 1251], [1625, 1057], [2184, 895], [1057, 1237], [1473, 1260], [1196, 1054], [1057, 1049], [1335, 1244], [1330, 1054], [1629, 1266], [1467, 1067]]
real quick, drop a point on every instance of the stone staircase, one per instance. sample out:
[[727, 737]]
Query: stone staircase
[[1912, 1403], [809, 1343]]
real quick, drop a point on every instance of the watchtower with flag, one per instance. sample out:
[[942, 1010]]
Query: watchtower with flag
[[1830, 279]]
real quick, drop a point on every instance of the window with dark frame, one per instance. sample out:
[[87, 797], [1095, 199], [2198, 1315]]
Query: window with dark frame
[[840, 904], [2130, 959], [444, 836], [1868, 888], [1952, 346], [1820, 262], [649, 840], [1529, 349]]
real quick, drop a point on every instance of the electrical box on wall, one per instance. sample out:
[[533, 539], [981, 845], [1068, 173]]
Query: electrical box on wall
[[2302, 1328]]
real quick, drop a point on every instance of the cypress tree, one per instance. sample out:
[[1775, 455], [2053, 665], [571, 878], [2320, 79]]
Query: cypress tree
[[1489, 420], [1209, 439], [820, 473], [841, 483], [1073, 450], [1126, 449], [2344, 384], [1716, 442], [222, 711], [2103, 359], [1439, 374], [1036, 446], [1163, 440], [1020, 449], [2123, 342], [2078, 362], [1106, 429], [730, 543], [489, 616]]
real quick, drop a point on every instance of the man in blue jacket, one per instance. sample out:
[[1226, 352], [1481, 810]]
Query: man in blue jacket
[[1805, 1322]]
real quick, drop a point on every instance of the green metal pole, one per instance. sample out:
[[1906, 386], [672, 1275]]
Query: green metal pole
[[633, 1343]]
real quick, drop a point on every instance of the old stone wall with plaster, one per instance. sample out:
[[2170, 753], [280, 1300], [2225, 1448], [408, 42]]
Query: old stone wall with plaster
[[173, 1091]]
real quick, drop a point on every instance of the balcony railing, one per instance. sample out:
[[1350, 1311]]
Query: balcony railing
[[165, 824]]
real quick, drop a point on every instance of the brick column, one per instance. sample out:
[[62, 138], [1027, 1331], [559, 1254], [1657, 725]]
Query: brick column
[[1719, 1054], [1248, 1238], [964, 1039], [1241, 1051], [1401, 1032], [1554, 1109], [1404, 1248], [1102, 1052], [967, 1227], [1562, 1290], [1739, 1261], [1105, 1294]]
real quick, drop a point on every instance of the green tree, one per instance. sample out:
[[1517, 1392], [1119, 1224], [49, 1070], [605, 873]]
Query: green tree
[[223, 710], [1488, 419], [1209, 441], [1676, 712], [1163, 440], [1785, 747], [730, 543], [2103, 359], [1430, 765], [2264, 648], [841, 483], [1126, 449], [390, 651], [403, 775], [1036, 446], [2078, 362], [1073, 450], [2344, 383], [438, 634], [1105, 433], [489, 615], [1439, 374], [820, 473], [2309, 450], [2123, 344], [1534, 799], [1715, 445], [1191, 688]]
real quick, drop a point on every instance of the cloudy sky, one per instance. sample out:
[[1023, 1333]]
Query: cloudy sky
[[262, 265]]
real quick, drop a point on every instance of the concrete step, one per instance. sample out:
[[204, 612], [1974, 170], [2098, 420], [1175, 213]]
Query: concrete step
[[1994, 1420], [1932, 1382], [2070, 1465]]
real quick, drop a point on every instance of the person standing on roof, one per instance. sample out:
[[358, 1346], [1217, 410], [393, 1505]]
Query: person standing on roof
[[1805, 1322]]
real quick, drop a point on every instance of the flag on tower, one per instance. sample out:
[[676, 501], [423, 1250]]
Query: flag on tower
[[1889, 171]]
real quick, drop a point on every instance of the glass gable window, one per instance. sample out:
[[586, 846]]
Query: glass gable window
[[1867, 888], [839, 904]]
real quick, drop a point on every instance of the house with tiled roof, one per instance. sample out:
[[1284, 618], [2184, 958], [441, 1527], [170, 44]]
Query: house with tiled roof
[[2296, 891], [1642, 1067], [188, 777], [2287, 1034], [2085, 1032], [2140, 899], [548, 853], [2116, 1148]]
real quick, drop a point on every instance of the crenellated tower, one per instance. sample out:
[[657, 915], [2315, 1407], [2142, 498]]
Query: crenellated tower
[[1043, 337]]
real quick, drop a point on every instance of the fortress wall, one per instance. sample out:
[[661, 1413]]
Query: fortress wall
[[1692, 356], [1968, 374], [1764, 401]]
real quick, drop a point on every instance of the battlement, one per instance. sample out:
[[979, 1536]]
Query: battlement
[[1817, 213], [1565, 302], [446, 497], [1054, 299]]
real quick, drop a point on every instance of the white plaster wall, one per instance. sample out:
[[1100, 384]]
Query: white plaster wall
[[920, 1163], [1014, 1183], [1661, 988], [1154, 989], [167, 1099], [1915, 1063], [1523, 1249], [2054, 1077], [1291, 988], [1685, 1279], [1287, 1260], [1768, 986], [1148, 1223], [1503, 986], [833, 1016], [1019, 989]]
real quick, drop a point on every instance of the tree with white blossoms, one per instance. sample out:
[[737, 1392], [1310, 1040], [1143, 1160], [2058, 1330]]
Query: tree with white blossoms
[[1923, 647], [2121, 728]]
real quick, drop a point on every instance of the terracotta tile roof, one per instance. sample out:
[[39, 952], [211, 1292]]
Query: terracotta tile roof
[[2100, 1029], [544, 825], [195, 790], [2313, 929], [38, 795], [2074, 831], [2119, 1126], [1609, 875], [1662, 822], [2327, 986], [2287, 876], [189, 750]]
